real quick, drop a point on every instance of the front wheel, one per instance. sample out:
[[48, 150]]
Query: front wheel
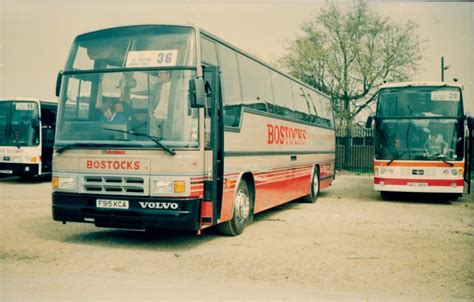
[[313, 195], [455, 196], [241, 212], [386, 195]]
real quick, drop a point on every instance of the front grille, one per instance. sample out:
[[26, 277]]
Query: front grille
[[114, 185], [420, 172]]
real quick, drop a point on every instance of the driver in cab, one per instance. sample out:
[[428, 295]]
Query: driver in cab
[[435, 145]]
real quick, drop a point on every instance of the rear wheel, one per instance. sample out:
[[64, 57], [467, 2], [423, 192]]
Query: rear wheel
[[313, 195], [241, 213]]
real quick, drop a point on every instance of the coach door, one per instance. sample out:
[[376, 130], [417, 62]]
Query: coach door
[[216, 132]]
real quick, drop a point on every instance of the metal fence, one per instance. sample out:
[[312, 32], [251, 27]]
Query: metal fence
[[359, 155]]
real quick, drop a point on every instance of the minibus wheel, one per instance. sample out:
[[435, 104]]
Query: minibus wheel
[[241, 215]]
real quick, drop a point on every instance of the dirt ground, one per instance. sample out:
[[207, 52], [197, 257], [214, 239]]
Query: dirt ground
[[350, 245]]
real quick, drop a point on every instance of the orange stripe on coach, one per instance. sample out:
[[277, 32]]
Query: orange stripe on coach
[[417, 164]]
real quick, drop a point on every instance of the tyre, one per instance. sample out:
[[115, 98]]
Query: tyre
[[241, 215], [454, 196], [386, 195], [313, 195]]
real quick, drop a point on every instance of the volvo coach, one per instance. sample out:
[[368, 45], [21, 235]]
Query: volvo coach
[[164, 126]]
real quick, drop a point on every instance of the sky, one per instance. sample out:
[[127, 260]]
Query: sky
[[36, 35]]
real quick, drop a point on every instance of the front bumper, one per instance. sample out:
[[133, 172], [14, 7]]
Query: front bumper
[[143, 212], [419, 185], [19, 169]]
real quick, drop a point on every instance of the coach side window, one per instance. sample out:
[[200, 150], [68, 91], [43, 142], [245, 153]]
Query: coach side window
[[327, 110], [301, 102], [256, 87], [208, 52], [230, 82], [314, 108], [284, 104]]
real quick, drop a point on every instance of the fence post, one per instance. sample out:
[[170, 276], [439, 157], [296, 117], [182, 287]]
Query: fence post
[[347, 149]]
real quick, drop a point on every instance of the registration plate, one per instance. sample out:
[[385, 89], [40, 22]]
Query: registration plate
[[112, 204], [417, 184], [6, 171]]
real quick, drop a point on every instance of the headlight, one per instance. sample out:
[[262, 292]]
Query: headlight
[[454, 172], [387, 171], [64, 183], [170, 187], [162, 186]]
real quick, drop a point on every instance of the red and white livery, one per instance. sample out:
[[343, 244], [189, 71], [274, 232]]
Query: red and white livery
[[421, 141], [27, 128], [164, 126]]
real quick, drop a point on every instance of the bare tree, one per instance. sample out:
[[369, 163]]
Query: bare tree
[[347, 55]]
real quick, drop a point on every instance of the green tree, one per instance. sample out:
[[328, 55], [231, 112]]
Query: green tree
[[349, 54]]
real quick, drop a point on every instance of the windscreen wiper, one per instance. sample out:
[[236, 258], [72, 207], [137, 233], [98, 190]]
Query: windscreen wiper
[[399, 155], [441, 158], [445, 161], [153, 138]]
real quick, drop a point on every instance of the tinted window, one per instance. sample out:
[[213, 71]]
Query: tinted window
[[208, 51], [283, 95], [134, 46], [326, 111], [314, 103], [230, 85], [229, 75], [256, 87], [301, 102], [419, 102]]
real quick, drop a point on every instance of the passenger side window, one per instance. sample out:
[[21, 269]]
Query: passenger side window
[[301, 102], [256, 85], [328, 113], [230, 88], [208, 52], [314, 110], [283, 94]]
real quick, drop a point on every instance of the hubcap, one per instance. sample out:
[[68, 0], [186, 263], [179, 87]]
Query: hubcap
[[242, 206], [315, 184]]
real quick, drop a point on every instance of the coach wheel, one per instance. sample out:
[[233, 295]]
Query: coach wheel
[[241, 213], [313, 195], [386, 195], [454, 196]]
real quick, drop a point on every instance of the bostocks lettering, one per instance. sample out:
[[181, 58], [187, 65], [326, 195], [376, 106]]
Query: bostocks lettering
[[113, 164], [282, 135]]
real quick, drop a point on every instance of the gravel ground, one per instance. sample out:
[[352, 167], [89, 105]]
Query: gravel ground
[[350, 245]]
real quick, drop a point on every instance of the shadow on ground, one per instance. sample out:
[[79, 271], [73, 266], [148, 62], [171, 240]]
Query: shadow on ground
[[428, 198], [24, 180]]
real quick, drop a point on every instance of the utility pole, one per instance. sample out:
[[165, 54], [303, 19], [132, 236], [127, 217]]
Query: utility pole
[[443, 68]]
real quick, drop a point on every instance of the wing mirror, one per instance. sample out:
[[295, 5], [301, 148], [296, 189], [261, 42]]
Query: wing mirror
[[368, 124]]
